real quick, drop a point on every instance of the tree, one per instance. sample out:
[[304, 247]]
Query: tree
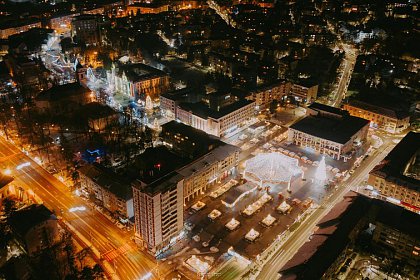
[[9, 206]]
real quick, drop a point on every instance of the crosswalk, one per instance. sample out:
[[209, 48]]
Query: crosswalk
[[110, 255]]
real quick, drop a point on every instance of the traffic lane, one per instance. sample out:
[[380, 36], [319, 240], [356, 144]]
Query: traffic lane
[[32, 178], [89, 223]]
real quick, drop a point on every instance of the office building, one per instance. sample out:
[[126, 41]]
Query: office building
[[397, 178], [108, 190], [329, 131]]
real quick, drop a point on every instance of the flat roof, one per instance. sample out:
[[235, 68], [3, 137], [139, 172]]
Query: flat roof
[[155, 163], [25, 219], [108, 180], [192, 133], [215, 155], [339, 130], [178, 94], [203, 111], [393, 167], [325, 108], [374, 106], [139, 72]]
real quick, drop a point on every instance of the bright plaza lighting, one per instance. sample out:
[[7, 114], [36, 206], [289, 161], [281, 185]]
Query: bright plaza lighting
[[271, 168]]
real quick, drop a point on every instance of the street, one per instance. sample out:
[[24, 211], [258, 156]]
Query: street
[[104, 236]]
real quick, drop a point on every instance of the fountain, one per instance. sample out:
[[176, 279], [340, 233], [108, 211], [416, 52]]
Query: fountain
[[321, 171]]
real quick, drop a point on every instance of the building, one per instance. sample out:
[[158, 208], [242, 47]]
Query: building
[[211, 168], [304, 91], [35, 227], [108, 190], [336, 230], [145, 8], [140, 79], [397, 178], [85, 29], [13, 26], [393, 231], [388, 118], [219, 99], [30, 74], [187, 141], [397, 232], [159, 211], [63, 98], [329, 131], [61, 22], [169, 101], [264, 95], [98, 116], [168, 180], [216, 122]]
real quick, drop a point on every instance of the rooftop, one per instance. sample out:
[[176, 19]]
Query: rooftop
[[156, 163], [339, 130], [325, 108], [198, 136], [62, 91], [396, 164], [375, 106], [139, 72], [4, 180], [25, 219], [215, 155], [179, 94], [108, 180], [96, 110], [200, 109]]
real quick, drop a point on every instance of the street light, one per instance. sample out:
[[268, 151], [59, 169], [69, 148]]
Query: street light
[[7, 171]]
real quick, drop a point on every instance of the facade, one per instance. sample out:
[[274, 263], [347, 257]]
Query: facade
[[304, 91], [107, 189], [35, 227], [383, 118], [187, 141], [139, 79], [404, 243], [218, 123], [396, 177], [85, 29], [209, 169], [329, 131], [158, 211], [144, 8], [263, 96], [62, 23], [169, 101], [18, 26]]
